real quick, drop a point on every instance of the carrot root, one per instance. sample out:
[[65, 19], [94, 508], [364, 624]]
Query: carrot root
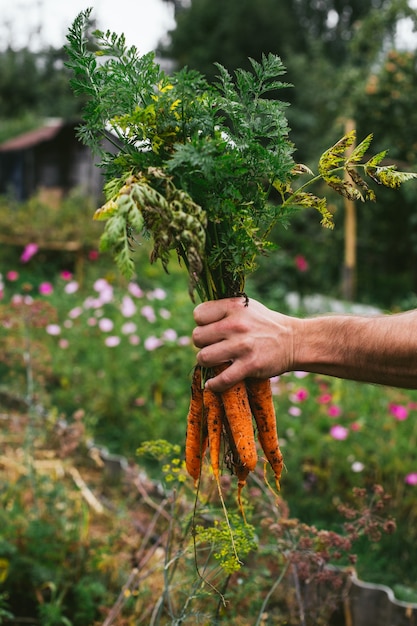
[[196, 435], [263, 410]]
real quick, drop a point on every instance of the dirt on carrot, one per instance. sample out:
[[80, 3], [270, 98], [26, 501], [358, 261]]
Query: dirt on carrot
[[263, 410], [196, 436]]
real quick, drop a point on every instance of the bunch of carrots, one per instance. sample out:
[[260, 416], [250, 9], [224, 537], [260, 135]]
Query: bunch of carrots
[[206, 171], [223, 424]]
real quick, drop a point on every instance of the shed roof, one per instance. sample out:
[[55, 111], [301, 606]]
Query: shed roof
[[33, 137]]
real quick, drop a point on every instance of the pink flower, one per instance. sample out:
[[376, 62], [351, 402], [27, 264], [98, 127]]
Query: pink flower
[[152, 343], [170, 334], [299, 396], [295, 411], [112, 341], [148, 313], [325, 398], [127, 307], [66, 275], [300, 374], [75, 312], [71, 287], [93, 255], [339, 432], [104, 289], [334, 410], [157, 294], [134, 340], [301, 263], [105, 325], [355, 426], [165, 314], [399, 411], [135, 290], [53, 329], [63, 344], [184, 341], [128, 328], [411, 479], [12, 275], [29, 251], [45, 289]]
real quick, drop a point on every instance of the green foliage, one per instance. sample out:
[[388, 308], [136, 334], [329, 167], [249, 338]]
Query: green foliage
[[198, 165], [39, 222], [226, 552]]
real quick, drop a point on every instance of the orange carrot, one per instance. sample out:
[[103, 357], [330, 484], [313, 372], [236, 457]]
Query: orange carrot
[[239, 420], [196, 436], [262, 405], [213, 413], [238, 415]]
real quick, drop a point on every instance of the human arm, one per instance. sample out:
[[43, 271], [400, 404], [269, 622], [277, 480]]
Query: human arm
[[261, 343]]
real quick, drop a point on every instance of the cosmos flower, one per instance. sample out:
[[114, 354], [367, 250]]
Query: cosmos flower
[[45, 289], [339, 432], [29, 251]]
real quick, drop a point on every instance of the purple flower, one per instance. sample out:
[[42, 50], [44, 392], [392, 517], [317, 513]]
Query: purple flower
[[411, 479], [339, 432], [45, 289], [29, 251]]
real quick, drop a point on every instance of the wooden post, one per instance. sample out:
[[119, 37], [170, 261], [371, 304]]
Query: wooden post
[[349, 267]]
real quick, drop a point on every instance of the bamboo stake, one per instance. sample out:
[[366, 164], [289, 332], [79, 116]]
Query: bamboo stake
[[349, 268]]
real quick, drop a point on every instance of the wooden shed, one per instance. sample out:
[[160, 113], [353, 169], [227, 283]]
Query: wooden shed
[[49, 161]]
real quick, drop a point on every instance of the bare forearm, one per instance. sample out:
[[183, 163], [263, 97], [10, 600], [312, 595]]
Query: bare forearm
[[379, 349], [259, 342]]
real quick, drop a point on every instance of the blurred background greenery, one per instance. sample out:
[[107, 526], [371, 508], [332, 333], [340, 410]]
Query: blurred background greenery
[[119, 352]]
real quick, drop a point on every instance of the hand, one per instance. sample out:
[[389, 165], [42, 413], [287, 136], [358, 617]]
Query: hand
[[256, 341]]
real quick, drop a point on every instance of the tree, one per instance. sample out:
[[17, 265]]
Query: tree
[[332, 50]]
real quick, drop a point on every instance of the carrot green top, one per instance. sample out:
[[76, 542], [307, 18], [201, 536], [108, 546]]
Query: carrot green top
[[205, 169]]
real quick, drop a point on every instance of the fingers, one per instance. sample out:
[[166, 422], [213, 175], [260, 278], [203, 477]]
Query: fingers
[[215, 310], [229, 377]]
